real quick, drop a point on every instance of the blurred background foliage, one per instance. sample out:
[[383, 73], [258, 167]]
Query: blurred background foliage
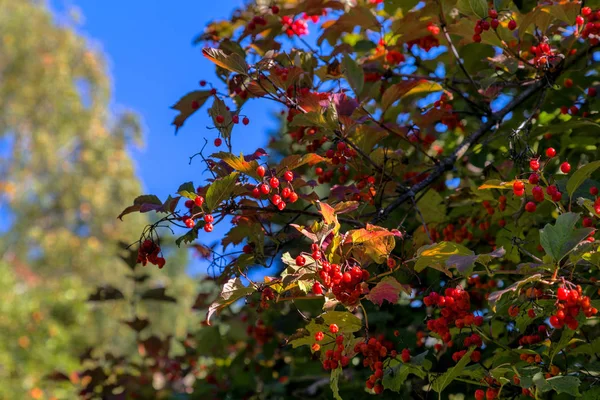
[[65, 174]]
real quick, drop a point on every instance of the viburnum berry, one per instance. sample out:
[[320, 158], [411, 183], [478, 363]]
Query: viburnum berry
[[189, 203], [220, 119], [586, 11], [568, 83], [247, 249], [319, 336], [333, 328], [245, 121], [208, 228], [190, 223], [479, 394], [317, 288], [209, 218], [235, 119], [533, 179], [518, 188], [492, 13], [260, 171], [594, 191], [530, 206], [405, 355], [281, 205], [218, 142], [300, 261], [579, 20], [495, 23], [275, 9], [550, 152], [274, 182], [565, 167], [592, 92], [288, 176], [316, 347], [293, 197], [199, 200], [264, 188], [512, 24], [202, 83], [276, 199], [534, 164]]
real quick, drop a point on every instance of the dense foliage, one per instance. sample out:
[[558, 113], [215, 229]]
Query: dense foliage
[[426, 211]]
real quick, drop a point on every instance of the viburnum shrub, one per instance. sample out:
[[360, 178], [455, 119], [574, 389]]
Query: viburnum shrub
[[427, 209]]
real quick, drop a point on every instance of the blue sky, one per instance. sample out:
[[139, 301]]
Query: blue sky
[[152, 62]]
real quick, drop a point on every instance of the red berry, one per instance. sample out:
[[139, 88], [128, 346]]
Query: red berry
[[209, 218], [512, 25], [477, 38], [260, 171], [493, 14], [300, 261], [554, 321], [247, 249], [550, 152], [235, 119], [319, 336], [565, 167], [333, 328], [562, 294], [293, 197], [568, 83], [479, 394], [288, 176], [245, 121], [208, 228], [189, 223], [588, 222], [220, 119], [592, 92], [274, 182], [317, 288], [264, 188], [218, 142], [579, 20], [495, 23], [534, 164], [534, 179], [199, 200], [594, 191], [189, 203], [276, 199], [203, 83], [275, 9], [586, 11]]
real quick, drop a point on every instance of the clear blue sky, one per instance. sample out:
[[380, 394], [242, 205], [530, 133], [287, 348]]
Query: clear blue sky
[[152, 63]]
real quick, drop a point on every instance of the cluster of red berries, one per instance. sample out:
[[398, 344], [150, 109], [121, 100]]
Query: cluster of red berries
[[149, 252], [449, 118], [189, 219], [292, 27], [347, 286], [260, 332], [374, 351], [235, 119], [266, 295], [591, 29], [273, 185], [485, 25], [476, 281], [341, 154], [542, 54], [531, 358], [528, 340], [594, 192], [337, 356], [569, 304], [455, 306], [425, 42], [473, 340], [489, 394]]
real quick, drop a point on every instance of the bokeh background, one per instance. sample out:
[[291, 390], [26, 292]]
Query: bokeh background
[[85, 126]]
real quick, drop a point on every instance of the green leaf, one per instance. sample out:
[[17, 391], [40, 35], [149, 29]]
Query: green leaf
[[396, 374], [432, 207], [580, 176], [353, 73], [334, 382], [238, 163], [494, 297], [436, 255], [232, 62], [311, 118], [557, 347], [150, 202], [187, 190], [219, 108], [232, 291], [220, 190], [560, 239], [346, 321], [565, 384], [447, 377], [477, 8]]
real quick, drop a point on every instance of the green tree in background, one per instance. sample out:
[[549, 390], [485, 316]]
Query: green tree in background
[[64, 175]]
